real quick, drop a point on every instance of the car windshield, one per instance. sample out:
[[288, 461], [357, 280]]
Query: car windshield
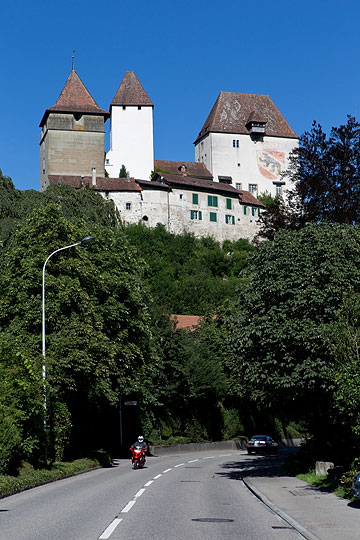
[[259, 438]]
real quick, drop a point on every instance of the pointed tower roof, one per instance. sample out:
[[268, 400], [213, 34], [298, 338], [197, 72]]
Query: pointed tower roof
[[131, 92], [232, 111], [75, 98]]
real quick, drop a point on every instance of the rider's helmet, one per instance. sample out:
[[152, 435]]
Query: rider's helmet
[[140, 438]]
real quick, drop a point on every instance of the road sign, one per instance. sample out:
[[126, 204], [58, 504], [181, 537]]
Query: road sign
[[130, 403]]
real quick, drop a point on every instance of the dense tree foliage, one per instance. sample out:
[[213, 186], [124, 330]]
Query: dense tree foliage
[[189, 275], [325, 171], [274, 342]]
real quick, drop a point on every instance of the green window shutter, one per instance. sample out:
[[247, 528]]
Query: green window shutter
[[212, 216], [209, 200], [215, 199], [200, 214], [228, 204], [233, 220], [245, 209], [191, 214], [195, 198], [253, 211], [259, 212]]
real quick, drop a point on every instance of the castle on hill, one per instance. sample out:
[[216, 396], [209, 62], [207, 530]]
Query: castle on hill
[[241, 151]]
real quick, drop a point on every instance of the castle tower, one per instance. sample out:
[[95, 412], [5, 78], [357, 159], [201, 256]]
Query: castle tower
[[131, 133], [73, 135], [246, 142]]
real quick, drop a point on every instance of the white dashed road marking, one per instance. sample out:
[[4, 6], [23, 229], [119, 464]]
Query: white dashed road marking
[[128, 507], [139, 493], [110, 529], [193, 461], [179, 465], [158, 476], [148, 483], [167, 470]]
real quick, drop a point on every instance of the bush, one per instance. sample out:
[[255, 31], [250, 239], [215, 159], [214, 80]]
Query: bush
[[233, 427], [29, 477], [10, 440]]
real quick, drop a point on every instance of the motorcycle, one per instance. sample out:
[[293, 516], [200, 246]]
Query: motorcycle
[[138, 457]]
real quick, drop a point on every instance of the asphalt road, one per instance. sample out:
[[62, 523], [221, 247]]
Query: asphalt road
[[197, 496]]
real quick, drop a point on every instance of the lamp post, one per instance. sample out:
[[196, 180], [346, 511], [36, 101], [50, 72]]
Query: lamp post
[[82, 242]]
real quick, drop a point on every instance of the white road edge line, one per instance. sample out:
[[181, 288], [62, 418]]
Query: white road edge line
[[148, 483], [158, 476], [128, 507], [139, 493], [167, 470], [179, 465], [225, 455], [110, 529]]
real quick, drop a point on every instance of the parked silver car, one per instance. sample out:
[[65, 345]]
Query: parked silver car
[[261, 443]]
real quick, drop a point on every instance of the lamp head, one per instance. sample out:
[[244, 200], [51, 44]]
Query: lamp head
[[86, 240]]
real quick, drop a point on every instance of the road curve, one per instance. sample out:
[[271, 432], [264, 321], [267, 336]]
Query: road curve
[[196, 496]]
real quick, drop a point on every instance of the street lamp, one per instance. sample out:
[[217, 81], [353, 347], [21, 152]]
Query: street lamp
[[82, 242]]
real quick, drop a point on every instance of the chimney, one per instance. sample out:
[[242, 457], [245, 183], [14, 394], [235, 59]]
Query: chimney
[[93, 176]]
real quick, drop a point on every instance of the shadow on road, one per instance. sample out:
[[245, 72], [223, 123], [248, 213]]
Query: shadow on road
[[259, 465]]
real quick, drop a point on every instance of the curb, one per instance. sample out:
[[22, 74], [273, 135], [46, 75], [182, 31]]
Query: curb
[[288, 519]]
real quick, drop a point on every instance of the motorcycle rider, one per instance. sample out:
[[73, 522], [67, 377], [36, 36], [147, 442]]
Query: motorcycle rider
[[141, 443]]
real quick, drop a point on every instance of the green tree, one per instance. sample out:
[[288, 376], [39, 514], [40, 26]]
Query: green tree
[[325, 171], [274, 345], [98, 337], [123, 172]]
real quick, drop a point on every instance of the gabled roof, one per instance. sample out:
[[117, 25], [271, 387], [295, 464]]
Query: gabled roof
[[75, 98], [193, 168], [131, 92], [231, 113]]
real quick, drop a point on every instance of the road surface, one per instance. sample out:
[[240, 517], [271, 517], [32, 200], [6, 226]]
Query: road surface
[[197, 496]]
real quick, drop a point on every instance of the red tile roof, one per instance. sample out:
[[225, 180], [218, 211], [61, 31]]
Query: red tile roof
[[207, 185], [102, 183], [131, 92], [186, 322], [122, 184], [194, 168], [75, 98], [231, 113]]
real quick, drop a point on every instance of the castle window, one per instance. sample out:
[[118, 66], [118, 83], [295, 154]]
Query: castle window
[[235, 143], [253, 210], [195, 198], [77, 116], [228, 204], [229, 220], [128, 206], [212, 216], [124, 107], [181, 195], [238, 186], [245, 207], [195, 214], [253, 188], [212, 200], [139, 107]]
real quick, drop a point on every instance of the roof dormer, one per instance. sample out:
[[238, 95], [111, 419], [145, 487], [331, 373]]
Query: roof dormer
[[255, 124]]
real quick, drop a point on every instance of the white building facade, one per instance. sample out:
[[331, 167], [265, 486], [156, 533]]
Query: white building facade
[[246, 142]]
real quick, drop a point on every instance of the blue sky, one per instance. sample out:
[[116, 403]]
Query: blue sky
[[305, 55]]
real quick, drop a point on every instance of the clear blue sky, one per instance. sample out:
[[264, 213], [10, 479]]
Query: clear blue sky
[[305, 55]]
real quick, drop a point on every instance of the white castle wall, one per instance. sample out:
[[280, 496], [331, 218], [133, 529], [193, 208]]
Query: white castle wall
[[131, 141], [248, 163]]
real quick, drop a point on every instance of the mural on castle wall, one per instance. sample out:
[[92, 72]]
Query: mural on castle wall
[[271, 163]]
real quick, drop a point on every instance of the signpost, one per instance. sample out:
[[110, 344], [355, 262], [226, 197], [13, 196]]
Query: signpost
[[128, 404]]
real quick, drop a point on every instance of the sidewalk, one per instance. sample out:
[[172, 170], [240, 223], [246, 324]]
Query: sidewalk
[[314, 513]]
